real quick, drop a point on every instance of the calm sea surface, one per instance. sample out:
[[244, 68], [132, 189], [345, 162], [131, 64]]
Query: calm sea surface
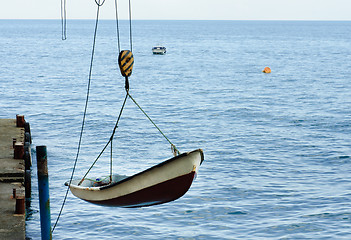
[[277, 146]]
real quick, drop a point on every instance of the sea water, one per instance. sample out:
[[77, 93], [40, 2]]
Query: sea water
[[277, 146]]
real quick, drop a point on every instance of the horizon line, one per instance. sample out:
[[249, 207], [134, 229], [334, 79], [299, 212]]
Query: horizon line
[[320, 20]]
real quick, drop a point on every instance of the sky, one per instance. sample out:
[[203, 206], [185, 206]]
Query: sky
[[182, 9]]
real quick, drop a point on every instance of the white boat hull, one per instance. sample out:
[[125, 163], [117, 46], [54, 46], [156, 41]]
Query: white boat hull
[[162, 183]]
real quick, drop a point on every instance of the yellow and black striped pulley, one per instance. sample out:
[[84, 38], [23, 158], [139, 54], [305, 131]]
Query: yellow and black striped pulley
[[126, 62]]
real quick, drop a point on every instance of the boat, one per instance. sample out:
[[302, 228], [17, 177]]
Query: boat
[[159, 184], [159, 50]]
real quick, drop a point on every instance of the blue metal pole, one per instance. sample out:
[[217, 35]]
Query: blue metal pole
[[44, 200]]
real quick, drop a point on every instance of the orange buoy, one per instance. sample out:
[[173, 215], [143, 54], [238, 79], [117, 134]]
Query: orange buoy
[[266, 70]]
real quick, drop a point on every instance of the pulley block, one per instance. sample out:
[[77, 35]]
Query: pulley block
[[126, 62]]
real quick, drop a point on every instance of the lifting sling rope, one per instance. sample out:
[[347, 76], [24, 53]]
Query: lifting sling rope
[[125, 61]]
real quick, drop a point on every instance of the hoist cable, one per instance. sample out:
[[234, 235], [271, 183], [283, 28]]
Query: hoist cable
[[117, 26], [63, 19], [109, 141], [130, 27], [84, 115], [173, 146]]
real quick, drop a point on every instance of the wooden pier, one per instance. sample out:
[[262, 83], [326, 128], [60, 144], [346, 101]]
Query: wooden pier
[[15, 181]]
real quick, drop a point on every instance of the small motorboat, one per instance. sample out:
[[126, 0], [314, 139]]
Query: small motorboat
[[159, 50], [159, 184]]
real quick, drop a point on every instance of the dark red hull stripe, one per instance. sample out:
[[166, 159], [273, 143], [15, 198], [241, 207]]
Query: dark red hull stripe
[[160, 193]]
